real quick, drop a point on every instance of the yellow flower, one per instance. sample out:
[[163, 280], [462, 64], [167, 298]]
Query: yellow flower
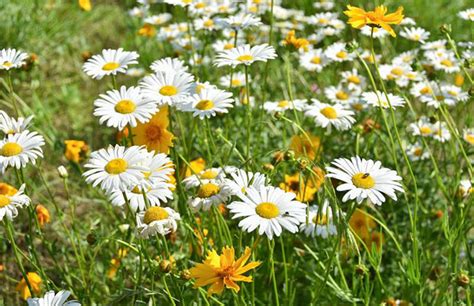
[[297, 43], [35, 281], [358, 18], [301, 186], [224, 270], [362, 223], [43, 215], [85, 5], [304, 147], [195, 166], [75, 150], [8, 190], [154, 134], [147, 30]]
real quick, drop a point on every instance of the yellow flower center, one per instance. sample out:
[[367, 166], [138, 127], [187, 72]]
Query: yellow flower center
[[110, 66], [283, 103], [11, 149], [267, 210], [4, 200], [363, 180], [7, 64], [155, 213], [208, 190], [187, 1], [447, 63], [153, 132], [341, 95], [341, 54], [425, 90], [323, 20], [205, 105], [136, 190], [168, 90], [329, 112], [200, 5], [397, 71], [125, 107], [316, 60], [353, 79], [418, 151], [416, 37], [209, 174], [208, 23], [470, 139], [228, 46], [116, 166], [452, 93], [245, 58], [236, 82], [425, 130], [320, 219]]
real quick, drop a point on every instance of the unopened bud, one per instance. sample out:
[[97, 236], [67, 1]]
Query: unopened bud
[[268, 167], [463, 280], [185, 274], [445, 28], [166, 266], [62, 171]]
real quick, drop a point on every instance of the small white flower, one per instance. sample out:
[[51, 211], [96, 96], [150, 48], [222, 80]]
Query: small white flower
[[208, 102], [283, 105], [12, 58], [341, 94], [9, 204], [170, 87], [378, 32], [238, 80], [110, 62], [17, 150], [467, 14], [353, 80], [242, 180], [239, 22], [245, 55], [10, 125], [325, 115], [321, 221], [313, 60], [465, 188], [337, 52], [157, 221], [415, 34], [379, 99], [210, 193], [169, 64], [468, 135], [441, 132], [416, 152], [53, 299], [423, 127], [159, 19]]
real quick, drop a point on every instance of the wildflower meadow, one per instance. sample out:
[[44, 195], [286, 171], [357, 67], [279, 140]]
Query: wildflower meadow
[[236, 152]]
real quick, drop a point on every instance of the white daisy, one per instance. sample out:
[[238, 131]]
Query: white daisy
[[424, 91], [168, 87], [337, 52], [155, 195], [467, 14], [416, 152], [365, 179], [204, 23], [238, 80], [322, 19], [353, 80], [452, 94], [239, 22], [12, 58], [465, 188], [270, 209], [119, 108], [378, 32], [245, 55], [210, 193], [157, 221], [159, 19], [283, 105], [415, 34], [16, 150], [401, 73], [443, 61], [182, 3], [379, 99], [10, 125], [203, 85], [321, 221], [110, 62], [468, 136], [313, 60], [423, 127], [441, 132], [209, 102], [242, 180], [336, 115], [205, 176], [10, 203], [405, 58], [169, 64], [340, 94], [53, 299], [116, 168]]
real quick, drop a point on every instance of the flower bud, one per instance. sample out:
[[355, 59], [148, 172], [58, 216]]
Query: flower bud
[[445, 28], [463, 280], [62, 171], [185, 274], [166, 266]]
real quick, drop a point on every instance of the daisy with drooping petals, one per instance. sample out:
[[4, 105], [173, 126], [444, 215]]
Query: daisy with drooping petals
[[379, 99], [116, 168], [320, 222], [12, 58], [242, 180], [119, 108], [376, 18], [168, 87], [53, 299], [336, 115], [9, 204], [209, 102], [16, 150], [169, 64], [110, 62], [223, 271], [365, 179], [10, 125], [441, 132], [157, 221], [270, 209], [245, 55], [283, 105]]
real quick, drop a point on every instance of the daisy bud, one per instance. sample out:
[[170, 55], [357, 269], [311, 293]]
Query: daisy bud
[[277, 115], [289, 155], [445, 28], [352, 46], [62, 172], [42, 214], [124, 227], [166, 266], [463, 280], [86, 55], [268, 167], [185, 275]]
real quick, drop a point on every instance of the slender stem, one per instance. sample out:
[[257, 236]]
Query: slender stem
[[271, 247]]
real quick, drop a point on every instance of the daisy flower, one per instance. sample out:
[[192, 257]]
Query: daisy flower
[[10, 203], [241, 180], [16, 150], [110, 62], [155, 195], [337, 52], [467, 14], [416, 152], [245, 55], [210, 193], [423, 127], [205, 23], [468, 135], [379, 99], [238, 80], [53, 299], [270, 209], [10, 125], [441, 132], [325, 115], [322, 19], [239, 22], [119, 108], [401, 73], [320, 223], [313, 60], [283, 105], [157, 221], [205, 176], [377, 32], [340, 94], [159, 19], [424, 92], [209, 102], [365, 179], [465, 188], [168, 87], [415, 34], [169, 64], [446, 62], [181, 3], [12, 58], [116, 168], [452, 94], [353, 80]]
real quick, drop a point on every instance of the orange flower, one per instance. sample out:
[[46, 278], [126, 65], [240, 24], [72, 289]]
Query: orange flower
[[35, 281], [147, 30], [154, 134], [224, 270], [358, 18], [292, 41], [8, 190], [362, 224], [85, 5], [301, 186], [75, 150], [304, 146], [43, 215]]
